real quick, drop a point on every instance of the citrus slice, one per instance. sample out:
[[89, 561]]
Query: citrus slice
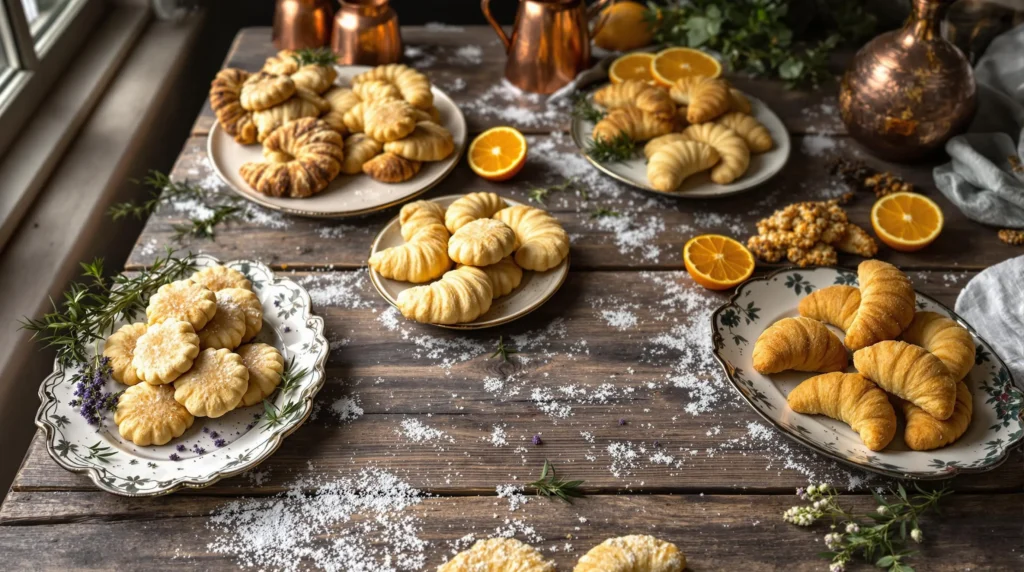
[[624, 27], [676, 63], [906, 221], [498, 153], [717, 262], [631, 66]]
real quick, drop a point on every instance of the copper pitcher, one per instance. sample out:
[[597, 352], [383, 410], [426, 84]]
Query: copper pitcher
[[366, 32], [302, 24], [550, 42]]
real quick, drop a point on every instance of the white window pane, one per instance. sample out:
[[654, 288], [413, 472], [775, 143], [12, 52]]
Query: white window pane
[[41, 14]]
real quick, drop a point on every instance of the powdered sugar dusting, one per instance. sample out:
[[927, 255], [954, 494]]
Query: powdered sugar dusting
[[343, 289]]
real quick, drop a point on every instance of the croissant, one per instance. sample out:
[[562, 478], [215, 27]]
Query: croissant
[[945, 339], [633, 553], [705, 98], [735, 156], [505, 276], [461, 295], [427, 142], [303, 157], [658, 142], [886, 304], [541, 242], [359, 148], [376, 90], [355, 117], [924, 432], [263, 90], [632, 123], [225, 91], [284, 62], [270, 119], [836, 305], [498, 555], [413, 85], [471, 207], [738, 101], [910, 372], [852, 399], [314, 77], [673, 163], [802, 344], [390, 168], [424, 256], [389, 120], [755, 134], [644, 96], [341, 99]]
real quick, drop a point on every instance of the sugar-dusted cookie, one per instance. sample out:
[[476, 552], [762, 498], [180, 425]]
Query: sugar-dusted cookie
[[359, 148], [217, 277], [120, 349], [265, 365], [481, 242], [165, 351], [635, 552], [541, 242], [505, 275], [427, 142], [499, 554], [214, 385], [149, 415], [461, 295], [471, 207], [227, 328], [376, 91], [183, 300], [389, 120], [251, 308]]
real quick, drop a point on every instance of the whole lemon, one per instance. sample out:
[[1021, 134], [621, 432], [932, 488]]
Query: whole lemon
[[625, 27]]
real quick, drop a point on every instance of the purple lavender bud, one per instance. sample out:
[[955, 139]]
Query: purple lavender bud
[[220, 442], [174, 457], [180, 448], [214, 435], [622, 422], [537, 440]]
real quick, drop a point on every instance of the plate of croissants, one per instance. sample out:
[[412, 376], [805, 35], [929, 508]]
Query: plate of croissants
[[698, 138], [469, 261], [863, 369], [310, 138]]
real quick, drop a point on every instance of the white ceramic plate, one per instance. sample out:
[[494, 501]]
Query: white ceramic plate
[[348, 195], [763, 166], [996, 427], [119, 466], [535, 289]]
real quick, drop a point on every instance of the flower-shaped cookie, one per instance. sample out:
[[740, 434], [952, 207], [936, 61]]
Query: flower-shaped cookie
[[227, 327], [149, 415], [637, 552], [120, 348], [499, 554], [214, 385], [251, 307], [481, 242], [265, 365], [165, 351], [217, 277], [183, 300]]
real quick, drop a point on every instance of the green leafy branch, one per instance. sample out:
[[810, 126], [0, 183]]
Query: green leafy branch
[[315, 57], [619, 148], [540, 194], [550, 485], [504, 351]]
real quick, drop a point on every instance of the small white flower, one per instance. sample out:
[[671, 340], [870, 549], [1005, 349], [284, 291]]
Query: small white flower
[[816, 504], [811, 489], [852, 528], [823, 488], [833, 540], [837, 567], [882, 509], [917, 535]]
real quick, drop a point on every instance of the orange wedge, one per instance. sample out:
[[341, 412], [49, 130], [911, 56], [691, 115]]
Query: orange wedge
[[676, 63], [906, 221], [631, 66], [498, 153], [717, 262]]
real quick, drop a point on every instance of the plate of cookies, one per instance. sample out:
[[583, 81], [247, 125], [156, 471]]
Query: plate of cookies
[[469, 261], [861, 368], [307, 137], [700, 138], [221, 368]]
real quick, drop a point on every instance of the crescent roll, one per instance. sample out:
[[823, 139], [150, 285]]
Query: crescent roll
[[924, 432], [945, 339], [802, 344], [910, 372], [835, 305], [886, 304], [852, 399]]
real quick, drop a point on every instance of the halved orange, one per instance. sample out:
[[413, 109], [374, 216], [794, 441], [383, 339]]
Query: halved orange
[[676, 63], [624, 27], [631, 66], [906, 221], [498, 153], [717, 262]]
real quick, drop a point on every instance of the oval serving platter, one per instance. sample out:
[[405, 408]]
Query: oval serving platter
[[997, 425], [347, 195], [194, 460]]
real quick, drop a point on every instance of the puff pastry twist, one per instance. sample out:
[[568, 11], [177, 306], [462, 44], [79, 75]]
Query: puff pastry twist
[[303, 157], [424, 256], [461, 295], [541, 242]]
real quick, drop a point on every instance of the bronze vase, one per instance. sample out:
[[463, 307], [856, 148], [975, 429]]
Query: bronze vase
[[366, 32], [908, 91], [302, 24]]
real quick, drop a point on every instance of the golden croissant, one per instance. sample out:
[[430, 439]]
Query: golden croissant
[[471, 207], [413, 85], [738, 101], [852, 399], [735, 156], [633, 123], [644, 96], [802, 344], [541, 242], [910, 372], [658, 142], [498, 555], [225, 91], [359, 148], [945, 339], [340, 99], [390, 168], [461, 295], [268, 120], [303, 157], [424, 256], [835, 305], [924, 432], [633, 553], [389, 120], [705, 98], [505, 276], [671, 164], [427, 141], [886, 304], [755, 134]]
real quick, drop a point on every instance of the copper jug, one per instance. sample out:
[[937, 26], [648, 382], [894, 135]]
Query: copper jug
[[300, 24], [550, 42], [366, 32]]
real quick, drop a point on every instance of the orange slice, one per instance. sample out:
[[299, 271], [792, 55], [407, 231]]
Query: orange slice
[[498, 153], [906, 221], [631, 66], [624, 27], [676, 63], [717, 262]]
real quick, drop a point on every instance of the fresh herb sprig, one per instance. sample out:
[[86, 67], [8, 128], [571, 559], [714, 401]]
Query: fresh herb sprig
[[274, 416], [602, 212], [540, 194], [315, 57], [619, 148], [583, 109], [552, 486], [291, 377], [205, 227], [504, 351]]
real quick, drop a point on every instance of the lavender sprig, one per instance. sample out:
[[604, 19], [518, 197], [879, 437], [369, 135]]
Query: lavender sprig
[[91, 396]]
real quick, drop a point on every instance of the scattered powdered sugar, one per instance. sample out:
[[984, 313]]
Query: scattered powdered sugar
[[341, 289], [817, 145], [514, 495], [470, 54], [442, 27], [624, 457], [619, 319], [498, 436], [507, 103], [416, 431], [826, 114], [457, 84], [347, 408], [389, 318]]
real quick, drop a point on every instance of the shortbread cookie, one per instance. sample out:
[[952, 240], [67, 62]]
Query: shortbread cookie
[[355, 117], [252, 310], [270, 119], [217, 277], [424, 256], [265, 365], [390, 168], [165, 351], [427, 142], [264, 90], [148, 415], [504, 276], [389, 121], [314, 77], [471, 207], [341, 99], [120, 350], [414, 86], [183, 300], [227, 328], [498, 555], [214, 385], [636, 552], [481, 242], [376, 91], [541, 242], [359, 148]]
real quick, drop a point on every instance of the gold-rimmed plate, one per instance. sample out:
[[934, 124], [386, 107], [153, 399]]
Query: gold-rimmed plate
[[535, 289], [348, 195]]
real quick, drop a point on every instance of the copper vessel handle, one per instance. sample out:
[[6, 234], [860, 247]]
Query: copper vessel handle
[[594, 10], [485, 5]]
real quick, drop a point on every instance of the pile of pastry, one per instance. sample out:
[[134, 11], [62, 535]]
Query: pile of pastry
[[636, 552], [699, 123], [923, 372], [193, 357], [489, 242], [385, 125]]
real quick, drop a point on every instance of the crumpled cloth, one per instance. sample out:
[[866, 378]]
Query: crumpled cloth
[[980, 180], [993, 304]]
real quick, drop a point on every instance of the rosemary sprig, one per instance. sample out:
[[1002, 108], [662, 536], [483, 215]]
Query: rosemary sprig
[[204, 227], [553, 487], [583, 109], [274, 416], [92, 307], [602, 212], [540, 194], [621, 148], [162, 190], [503, 351], [290, 378], [316, 57]]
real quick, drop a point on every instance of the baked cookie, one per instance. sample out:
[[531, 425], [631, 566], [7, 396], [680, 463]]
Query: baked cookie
[[264, 90], [148, 415], [217, 277], [355, 117], [359, 148], [481, 242], [541, 242], [413, 85], [505, 276], [427, 142], [265, 365], [183, 300], [424, 256], [252, 309], [303, 157], [165, 351], [461, 295], [314, 77], [284, 62], [120, 350], [214, 385], [376, 91], [471, 207], [498, 555], [341, 99], [389, 121], [268, 120], [225, 91], [633, 553], [227, 327], [390, 168]]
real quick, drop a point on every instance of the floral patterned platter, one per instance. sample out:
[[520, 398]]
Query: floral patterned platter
[[997, 425], [212, 448]]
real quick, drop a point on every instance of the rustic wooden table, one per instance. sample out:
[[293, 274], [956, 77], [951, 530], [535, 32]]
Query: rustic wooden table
[[625, 339]]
